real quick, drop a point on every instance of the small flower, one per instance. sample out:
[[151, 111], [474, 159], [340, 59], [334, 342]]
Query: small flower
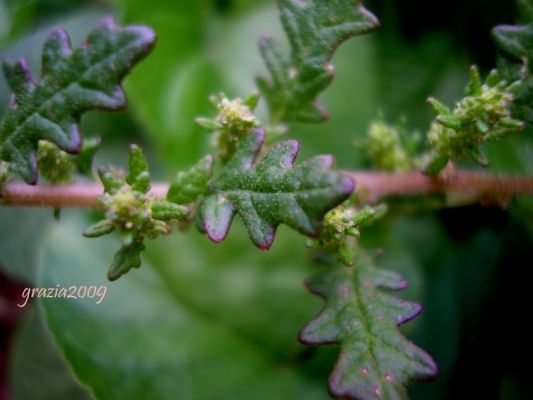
[[483, 115], [234, 121]]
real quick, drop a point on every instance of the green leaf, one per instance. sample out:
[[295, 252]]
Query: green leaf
[[21, 233], [315, 29], [15, 17], [516, 47], [166, 211], [271, 192], [72, 82], [376, 361], [170, 89], [189, 185], [128, 257], [37, 369], [111, 179], [138, 170], [84, 162], [101, 228], [154, 337], [526, 10]]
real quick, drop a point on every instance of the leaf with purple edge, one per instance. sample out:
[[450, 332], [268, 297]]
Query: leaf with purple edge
[[376, 361], [271, 192], [73, 81], [315, 29], [516, 52]]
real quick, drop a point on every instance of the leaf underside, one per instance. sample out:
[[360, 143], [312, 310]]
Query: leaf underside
[[315, 29], [376, 361], [271, 192], [72, 82]]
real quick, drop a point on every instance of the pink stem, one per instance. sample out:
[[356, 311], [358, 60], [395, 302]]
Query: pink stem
[[372, 185]]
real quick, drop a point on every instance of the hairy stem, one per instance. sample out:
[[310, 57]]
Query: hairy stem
[[371, 185], [477, 186]]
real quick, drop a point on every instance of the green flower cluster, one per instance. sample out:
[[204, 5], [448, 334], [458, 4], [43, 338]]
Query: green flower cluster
[[385, 148], [482, 115], [57, 167], [234, 121], [341, 225], [131, 210]]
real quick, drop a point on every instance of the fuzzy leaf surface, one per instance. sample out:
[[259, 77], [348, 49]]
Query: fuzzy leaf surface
[[376, 361], [191, 184], [72, 82], [315, 29], [271, 192]]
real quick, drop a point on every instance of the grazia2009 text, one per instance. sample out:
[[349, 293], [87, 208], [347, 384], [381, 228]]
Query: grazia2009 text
[[74, 292]]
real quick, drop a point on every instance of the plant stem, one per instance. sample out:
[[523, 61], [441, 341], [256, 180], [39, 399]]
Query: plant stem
[[373, 186], [75, 195], [476, 186]]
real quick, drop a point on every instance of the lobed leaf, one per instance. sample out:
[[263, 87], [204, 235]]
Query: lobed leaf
[[72, 82], [315, 29], [138, 170], [376, 361], [167, 211], [191, 184], [128, 257], [271, 192], [516, 47]]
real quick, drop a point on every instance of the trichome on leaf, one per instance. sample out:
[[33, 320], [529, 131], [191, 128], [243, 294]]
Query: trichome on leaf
[[315, 29], [72, 83], [376, 361], [271, 192]]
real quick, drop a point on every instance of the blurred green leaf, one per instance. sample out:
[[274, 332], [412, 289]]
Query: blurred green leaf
[[172, 87], [515, 43], [15, 16], [150, 337], [37, 369], [242, 288], [21, 233]]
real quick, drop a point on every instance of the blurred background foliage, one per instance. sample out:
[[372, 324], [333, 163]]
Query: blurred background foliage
[[201, 321]]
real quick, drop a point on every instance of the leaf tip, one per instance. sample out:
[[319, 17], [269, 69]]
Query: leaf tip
[[266, 242], [292, 151], [348, 184], [415, 310], [217, 215], [108, 22]]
